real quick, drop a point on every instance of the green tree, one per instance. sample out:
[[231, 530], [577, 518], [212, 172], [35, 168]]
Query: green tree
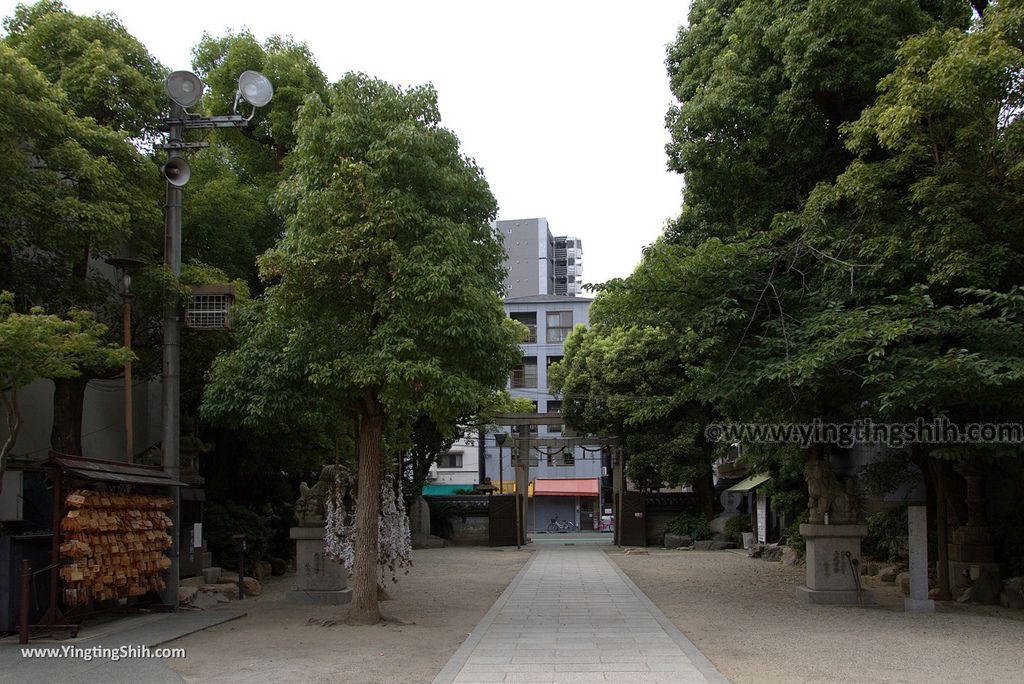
[[78, 191], [39, 345], [385, 286]]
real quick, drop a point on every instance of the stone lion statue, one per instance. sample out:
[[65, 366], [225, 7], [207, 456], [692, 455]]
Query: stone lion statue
[[829, 495], [310, 509]]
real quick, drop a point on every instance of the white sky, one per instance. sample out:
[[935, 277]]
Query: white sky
[[561, 102]]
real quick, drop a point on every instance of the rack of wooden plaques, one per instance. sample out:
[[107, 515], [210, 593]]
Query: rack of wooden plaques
[[115, 544]]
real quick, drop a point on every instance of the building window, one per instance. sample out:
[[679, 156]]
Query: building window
[[554, 406], [530, 321], [559, 325], [524, 375], [558, 458], [451, 459]]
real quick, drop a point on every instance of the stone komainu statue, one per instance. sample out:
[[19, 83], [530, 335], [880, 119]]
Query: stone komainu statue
[[310, 509], [829, 495]]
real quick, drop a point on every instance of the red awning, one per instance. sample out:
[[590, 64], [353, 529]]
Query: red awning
[[568, 486]]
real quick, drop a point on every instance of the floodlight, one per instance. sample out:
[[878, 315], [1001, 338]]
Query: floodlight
[[255, 88], [184, 88]]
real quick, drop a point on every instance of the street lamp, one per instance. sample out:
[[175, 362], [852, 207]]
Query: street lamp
[[127, 266], [500, 438], [185, 90]]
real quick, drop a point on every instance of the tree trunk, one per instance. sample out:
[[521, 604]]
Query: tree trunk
[[68, 401], [365, 609], [704, 487]]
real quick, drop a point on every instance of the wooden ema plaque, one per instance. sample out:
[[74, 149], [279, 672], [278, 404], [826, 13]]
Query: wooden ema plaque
[[116, 543]]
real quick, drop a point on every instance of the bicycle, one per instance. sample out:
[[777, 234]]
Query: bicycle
[[557, 525]]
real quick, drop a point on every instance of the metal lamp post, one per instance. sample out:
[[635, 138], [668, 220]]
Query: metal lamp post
[[500, 438], [186, 90], [127, 266]]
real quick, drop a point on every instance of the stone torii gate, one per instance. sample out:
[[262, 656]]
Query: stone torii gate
[[522, 461]]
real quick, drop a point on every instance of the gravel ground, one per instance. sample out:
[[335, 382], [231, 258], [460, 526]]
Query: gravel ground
[[740, 612], [432, 611]]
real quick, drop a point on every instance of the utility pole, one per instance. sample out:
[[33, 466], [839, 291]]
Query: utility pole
[[171, 376]]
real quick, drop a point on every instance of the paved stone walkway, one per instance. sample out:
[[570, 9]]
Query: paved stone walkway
[[571, 615]]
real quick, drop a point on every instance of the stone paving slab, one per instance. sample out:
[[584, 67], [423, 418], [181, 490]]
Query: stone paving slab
[[571, 615]]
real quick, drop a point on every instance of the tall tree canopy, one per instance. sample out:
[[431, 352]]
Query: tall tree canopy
[[384, 304]]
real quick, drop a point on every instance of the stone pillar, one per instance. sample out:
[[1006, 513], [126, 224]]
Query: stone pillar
[[833, 561], [318, 578], [917, 532]]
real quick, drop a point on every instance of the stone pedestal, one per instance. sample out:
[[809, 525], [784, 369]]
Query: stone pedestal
[[318, 578], [830, 577], [419, 526]]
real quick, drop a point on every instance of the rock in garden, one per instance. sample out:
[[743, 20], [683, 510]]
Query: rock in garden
[[227, 576], [252, 586], [228, 589], [790, 557], [262, 570], [278, 566], [888, 574], [676, 541], [187, 594], [772, 552], [1013, 593], [903, 583], [756, 551]]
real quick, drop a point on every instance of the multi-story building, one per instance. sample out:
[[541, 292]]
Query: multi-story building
[[539, 263], [568, 258], [544, 275], [566, 484]]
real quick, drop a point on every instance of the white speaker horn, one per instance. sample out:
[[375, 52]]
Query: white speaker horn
[[176, 171]]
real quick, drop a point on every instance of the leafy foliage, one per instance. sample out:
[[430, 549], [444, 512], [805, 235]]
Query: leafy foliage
[[887, 535], [691, 525], [39, 345]]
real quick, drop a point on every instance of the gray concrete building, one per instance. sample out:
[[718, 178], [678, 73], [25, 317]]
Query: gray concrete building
[[538, 262]]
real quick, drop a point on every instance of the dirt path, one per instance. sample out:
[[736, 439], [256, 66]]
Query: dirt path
[[440, 601], [741, 614]]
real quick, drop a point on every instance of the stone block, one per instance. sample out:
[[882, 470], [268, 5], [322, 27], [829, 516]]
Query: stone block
[[903, 583], [677, 541], [211, 575], [712, 545], [193, 582], [314, 569], [830, 576]]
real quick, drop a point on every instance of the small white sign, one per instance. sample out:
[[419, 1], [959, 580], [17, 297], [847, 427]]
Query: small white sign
[[762, 517], [197, 535]]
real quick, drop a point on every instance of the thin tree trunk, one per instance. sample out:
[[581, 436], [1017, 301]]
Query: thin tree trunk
[[13, 411], [68, 402], [365, 609]]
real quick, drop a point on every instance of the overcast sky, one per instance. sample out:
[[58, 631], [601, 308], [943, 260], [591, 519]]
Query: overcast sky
[[561, 102]]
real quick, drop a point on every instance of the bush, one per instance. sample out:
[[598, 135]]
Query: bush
[[736, 526], [887, 535], [796, 540], [442, 518], [692, 525], [222, 520]]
